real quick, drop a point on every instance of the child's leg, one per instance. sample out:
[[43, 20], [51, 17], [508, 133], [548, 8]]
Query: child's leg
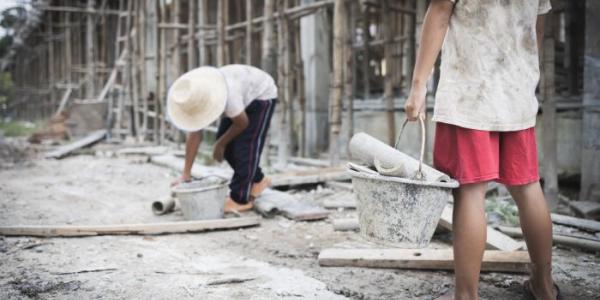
[[469, 236], [537, 230]]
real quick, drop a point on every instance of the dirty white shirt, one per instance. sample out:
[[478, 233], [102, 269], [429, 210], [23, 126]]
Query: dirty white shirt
[[244, 85], [490, 66]]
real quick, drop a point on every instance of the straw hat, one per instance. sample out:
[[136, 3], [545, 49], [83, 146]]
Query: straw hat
[[197, 98]]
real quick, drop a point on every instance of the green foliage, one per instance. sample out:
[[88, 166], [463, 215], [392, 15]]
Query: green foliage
[[504, 208], [17, 128]]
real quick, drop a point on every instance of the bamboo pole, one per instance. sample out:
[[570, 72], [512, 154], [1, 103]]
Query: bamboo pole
[[549, 168], [268, 41], [202, 51], [143, 75], [350, 63], [89, 55], [301, 92], [388, 78], [249, 32], [283, 150], [51, 63], [161, 79], [221, 33], [335, 106], [366, 53], [191, 56]]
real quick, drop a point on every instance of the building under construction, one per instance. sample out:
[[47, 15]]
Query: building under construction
[[340, 64]]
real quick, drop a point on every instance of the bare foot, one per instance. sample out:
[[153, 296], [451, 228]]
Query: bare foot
[[535, 293], [232, 206], [259, 187]]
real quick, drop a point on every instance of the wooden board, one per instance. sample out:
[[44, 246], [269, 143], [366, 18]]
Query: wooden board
[[587, 225], [425, 259], [495, 239], [91, 138], [127, 229], [272, 202]]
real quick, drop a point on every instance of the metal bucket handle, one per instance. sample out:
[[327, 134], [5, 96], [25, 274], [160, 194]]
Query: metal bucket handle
[[419, 174]]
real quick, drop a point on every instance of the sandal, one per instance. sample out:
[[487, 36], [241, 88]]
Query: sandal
[[529, 292]]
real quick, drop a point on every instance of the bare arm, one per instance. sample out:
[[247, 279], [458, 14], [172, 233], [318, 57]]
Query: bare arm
[[192, 143], [433, 33], [239, 123]]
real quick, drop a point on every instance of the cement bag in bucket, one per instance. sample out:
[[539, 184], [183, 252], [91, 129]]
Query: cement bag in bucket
[[398, 211], [202, 199]]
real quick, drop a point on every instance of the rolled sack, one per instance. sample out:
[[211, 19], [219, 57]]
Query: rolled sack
[[370, 151]]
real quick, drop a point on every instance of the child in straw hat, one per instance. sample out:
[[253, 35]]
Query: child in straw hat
[[485, 109], [246, 98]]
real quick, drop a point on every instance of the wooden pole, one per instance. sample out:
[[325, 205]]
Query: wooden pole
[[249, 32], [340, 33], [268, 41], [590, 158], [89, 55], [366, 57], [51, 64], [301, 92], [68, 52], [221, 33], [388, 93], [143, 71], [283, 151], [202, 55], [191, 55], [160, 113], [549, 167], [350, 63]]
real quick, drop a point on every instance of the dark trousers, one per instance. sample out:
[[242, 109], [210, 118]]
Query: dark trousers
[[243, 152]]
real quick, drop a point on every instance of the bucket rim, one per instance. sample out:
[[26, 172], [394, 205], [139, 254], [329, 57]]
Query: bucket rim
[[452, 184], [180, 190]]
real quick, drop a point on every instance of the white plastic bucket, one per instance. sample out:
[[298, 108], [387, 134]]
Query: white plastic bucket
[[203, 199]]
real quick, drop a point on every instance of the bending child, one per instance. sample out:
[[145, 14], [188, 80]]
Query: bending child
[[246, 97]]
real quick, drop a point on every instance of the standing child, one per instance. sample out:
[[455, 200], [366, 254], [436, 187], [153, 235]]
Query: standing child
[[485, 109], [246, 97]]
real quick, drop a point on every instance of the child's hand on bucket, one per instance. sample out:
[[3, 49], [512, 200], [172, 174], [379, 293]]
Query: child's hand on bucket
[[182, 178], [415, 104]]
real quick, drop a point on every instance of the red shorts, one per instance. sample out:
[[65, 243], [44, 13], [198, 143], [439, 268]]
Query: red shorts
[[471, 156]]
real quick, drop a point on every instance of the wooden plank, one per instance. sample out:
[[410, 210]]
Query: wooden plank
[[587, 225], [577, 241], [127, 229], [84, 142], [495, 239], [422, 259], [273, 202]]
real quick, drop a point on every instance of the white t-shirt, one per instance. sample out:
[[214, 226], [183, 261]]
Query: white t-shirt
[[244, 85], [490, 65]]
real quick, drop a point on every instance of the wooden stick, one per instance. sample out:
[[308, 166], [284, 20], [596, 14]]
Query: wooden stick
[[422, 259], [340, 34], [127, 229]]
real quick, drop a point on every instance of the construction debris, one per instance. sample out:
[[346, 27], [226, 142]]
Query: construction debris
[[272, 202], [84, 142], [587, 225], [164, 205], [578, 241], [586, 209], [425, 259], [127, 229]]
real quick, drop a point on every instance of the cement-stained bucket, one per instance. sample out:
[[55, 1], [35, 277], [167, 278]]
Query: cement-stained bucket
[[202, 199], [397, 211]]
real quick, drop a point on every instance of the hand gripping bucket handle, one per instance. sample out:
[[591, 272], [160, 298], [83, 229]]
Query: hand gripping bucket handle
[[419, 173]]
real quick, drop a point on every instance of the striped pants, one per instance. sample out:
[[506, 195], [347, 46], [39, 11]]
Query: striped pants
[[243, 152]]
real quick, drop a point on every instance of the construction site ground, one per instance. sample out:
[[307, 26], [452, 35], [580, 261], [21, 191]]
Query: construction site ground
[[276, 260]]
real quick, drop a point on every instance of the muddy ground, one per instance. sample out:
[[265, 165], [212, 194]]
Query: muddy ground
[[276, 260]]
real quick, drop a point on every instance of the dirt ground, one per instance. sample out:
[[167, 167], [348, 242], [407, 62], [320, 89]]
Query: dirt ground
[[276, 260]]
